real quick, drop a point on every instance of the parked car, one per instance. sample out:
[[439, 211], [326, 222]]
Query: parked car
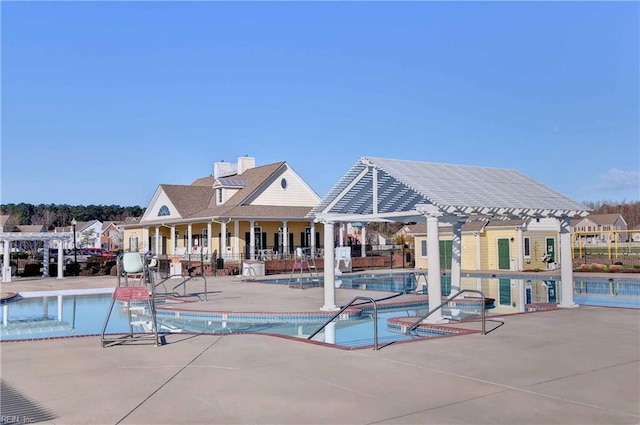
[[98, 252], [68, 256], [79, 256]]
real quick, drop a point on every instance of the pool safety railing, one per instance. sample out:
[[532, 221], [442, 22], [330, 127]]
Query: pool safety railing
[[249, 273], [447, 301], [417, 276], [375, 319], [174, 293]]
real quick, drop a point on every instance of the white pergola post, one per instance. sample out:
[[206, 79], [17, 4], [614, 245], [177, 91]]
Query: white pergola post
[[341, 235], [566, 265], [60, 274], [476, 237], [433, 271], [45, 259], [520, 248], [329, 265], [60, 308], [312, 242], [6, 262], [456, 255], [363, 243]]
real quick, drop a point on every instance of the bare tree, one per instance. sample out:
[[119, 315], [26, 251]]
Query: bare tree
[[43, 216], [87, 238]]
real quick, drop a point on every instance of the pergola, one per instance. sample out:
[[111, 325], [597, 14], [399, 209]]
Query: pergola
[[392, 190], [7, 237]]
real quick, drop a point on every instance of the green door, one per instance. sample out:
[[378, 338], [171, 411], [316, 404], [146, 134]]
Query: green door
[[504, 286], [445, 254], [503, 254], [551, 249]]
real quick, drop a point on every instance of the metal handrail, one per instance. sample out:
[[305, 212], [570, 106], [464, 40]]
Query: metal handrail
[[417, 276], [375, 319], [447, 301]]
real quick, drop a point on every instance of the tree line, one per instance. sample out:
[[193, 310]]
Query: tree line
[[52, 215]]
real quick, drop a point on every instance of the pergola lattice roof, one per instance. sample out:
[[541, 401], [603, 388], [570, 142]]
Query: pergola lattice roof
[[395, 190]]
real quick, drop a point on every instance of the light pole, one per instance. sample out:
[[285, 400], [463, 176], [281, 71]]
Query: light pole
[[75, 254]]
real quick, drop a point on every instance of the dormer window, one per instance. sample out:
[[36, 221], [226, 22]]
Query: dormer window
[[220, 196], [164, 210]]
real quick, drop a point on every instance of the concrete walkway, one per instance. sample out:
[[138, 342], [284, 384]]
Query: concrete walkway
[[577, 365]]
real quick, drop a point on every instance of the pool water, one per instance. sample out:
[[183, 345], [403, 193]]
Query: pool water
[[75, 315], [63, 315]]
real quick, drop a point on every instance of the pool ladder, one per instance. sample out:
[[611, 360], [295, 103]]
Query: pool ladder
[[447, 301], [375, 319], [417, 276]]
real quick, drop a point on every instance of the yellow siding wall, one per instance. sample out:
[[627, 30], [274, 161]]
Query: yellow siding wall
[[492, 236], [468, 255], [538, 246], [489, 249]]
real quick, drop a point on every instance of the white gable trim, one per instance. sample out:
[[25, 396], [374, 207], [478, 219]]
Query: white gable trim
[[159, 200]]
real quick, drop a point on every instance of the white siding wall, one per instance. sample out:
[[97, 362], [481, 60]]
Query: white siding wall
[[162, 199], [296, 193]]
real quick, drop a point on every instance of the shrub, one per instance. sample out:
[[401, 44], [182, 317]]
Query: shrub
[[616, 268], [72, 269], [32, 269]]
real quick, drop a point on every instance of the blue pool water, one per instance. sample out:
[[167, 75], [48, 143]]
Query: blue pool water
[[67, 315], [64, 316]]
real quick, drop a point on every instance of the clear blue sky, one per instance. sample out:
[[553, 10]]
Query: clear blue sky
[[104, 101]]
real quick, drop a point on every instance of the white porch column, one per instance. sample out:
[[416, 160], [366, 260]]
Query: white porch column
[[172, 248], [236, 237], [329, 265], [456, 255], [223, 240], [6, 262], [313, 239], [566, 264], [60, 274], [157, 247], [209, 238], [520, 249], [252, 240], [341, 235], [145, 239], [189, 238], [285, 238], [433, 271], [364, 241]]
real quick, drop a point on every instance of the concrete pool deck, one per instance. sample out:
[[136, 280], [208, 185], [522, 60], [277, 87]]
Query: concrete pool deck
[[578, 365]]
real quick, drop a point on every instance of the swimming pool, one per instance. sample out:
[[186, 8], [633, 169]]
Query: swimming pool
[[66, 315], [74, 313]]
